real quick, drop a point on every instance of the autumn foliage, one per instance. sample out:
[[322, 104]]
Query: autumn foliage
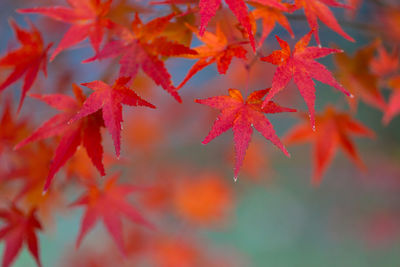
[[116, 100]]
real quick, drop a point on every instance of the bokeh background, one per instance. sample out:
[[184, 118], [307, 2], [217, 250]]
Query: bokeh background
[[272, 216]]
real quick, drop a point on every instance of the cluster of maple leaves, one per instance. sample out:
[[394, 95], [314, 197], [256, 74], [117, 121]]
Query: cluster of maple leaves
[[116, 30]]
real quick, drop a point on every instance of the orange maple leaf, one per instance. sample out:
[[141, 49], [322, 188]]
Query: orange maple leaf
[[216, 49], [270, 13]]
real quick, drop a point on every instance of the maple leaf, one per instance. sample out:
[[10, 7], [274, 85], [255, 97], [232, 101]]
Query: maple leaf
[[241, 115], [27, 60], [109, 100], [353, 72], [334, 130], [19, 228], [393, 107], [318, 9], [216, 50], [142, 47], [86, 16], [108, 204], [270, 12], [85, 132], [386, 63], [208, 9], [302, 67]]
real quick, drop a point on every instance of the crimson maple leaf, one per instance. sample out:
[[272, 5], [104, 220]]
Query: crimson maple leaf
[[86, 16], [302, 67], [241, 115], [216, 50], [208, 9], [318, 9], [19, 228], [26, 60], [334, 130], [109, 100], [142, 47], [85, 132], [109, 204]]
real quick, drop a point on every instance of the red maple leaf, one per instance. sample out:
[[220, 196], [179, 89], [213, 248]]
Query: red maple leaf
[[85, 132], [86, 16], [26, 60], [108, 204], [302, 67], [318, 9], [143, 47], [216, 50], [19, 228], [109, 100], [241, 115], [208, 9], [334, 130]]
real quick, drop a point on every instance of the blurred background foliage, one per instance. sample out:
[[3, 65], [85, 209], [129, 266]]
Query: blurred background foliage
[[272, 216]]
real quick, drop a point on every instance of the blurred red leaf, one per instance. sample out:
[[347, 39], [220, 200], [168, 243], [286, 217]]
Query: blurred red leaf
[[333, 130], [109, 204], [393, 107], [354, 73], [19, 228]]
